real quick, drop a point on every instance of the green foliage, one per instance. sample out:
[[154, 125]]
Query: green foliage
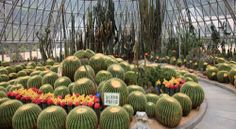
[[195, 92], [62, 81], [26, 116], [82, 117], [138, 100], [84, 71], [53, 117], [114, 117], [168, 111], [185, 102], [69, 66], [84, 86], [7, 110], [103, 75]]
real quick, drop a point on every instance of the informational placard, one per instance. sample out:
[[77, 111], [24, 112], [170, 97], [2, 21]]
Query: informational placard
[[111, 99]]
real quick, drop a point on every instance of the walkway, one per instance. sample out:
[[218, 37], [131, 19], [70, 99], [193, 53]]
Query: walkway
[[221, 112]]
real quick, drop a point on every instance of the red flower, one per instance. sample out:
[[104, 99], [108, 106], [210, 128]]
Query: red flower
[[27, 98], [96, 105], [10, 94], [70, 103], [146, 54], [77, 103], [90, 104], [18, 97], [49, 101], [63, 103], [96, 100], [84, 104], [59, 97]]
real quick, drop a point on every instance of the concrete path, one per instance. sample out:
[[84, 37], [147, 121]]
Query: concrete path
[[221, 112]]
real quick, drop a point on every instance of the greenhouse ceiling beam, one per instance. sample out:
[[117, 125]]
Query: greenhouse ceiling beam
[[7, 19], [231, 12]]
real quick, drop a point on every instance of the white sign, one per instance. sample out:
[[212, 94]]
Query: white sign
[[111, 99]]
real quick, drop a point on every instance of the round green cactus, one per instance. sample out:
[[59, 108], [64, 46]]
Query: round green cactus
[[138, 100], [10, 69], [173, 60], [2, 100], [132, 88], [194, 77], [50, 62], [84, 86], [84, 71], [89, 53], [3, 89], [131, 78], [27, 113], [150, 109], [34, 81], [3, 94], [195, 92], [3, 71], [188, 79], [103, 75], [80, 54], [185, 103], [82, 117], [40, 68], [119, 60], [46, 88], [21, 73], [12, 75], [152, 98], [43, 73], [53, 117], [23, 81], [54, 68], [223, 76], [4, 84], [211, 72], [220, 60], [16, 87], [62, 81], [7, 110], [70, 86], [168, 111], [69, 66], [96, 62], [130, 110], [108, 61], [232, 75], [116, 71], [100, 87], [61, 91], [125, 65], [114, 117], [50, 78], [36, 72], [224, 67], [4, 78], [115, 85]]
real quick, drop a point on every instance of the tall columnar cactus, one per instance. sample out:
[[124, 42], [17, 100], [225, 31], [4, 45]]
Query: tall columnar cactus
[[7, 110], [114, 117], [103, 75], [195, 92], [223, 76], [46, 88], [116, 71], [152, 98], [23, 81], [138, 101], [84, 86], [84, 71], [168, 111], [194, 77], [132, 88], [150, 109], [50, 78], [185, 103], [53, 117], [61, 91], [115, 85], [82, 117], [232, 75], [26, 116], [131, 78], [62, 81], [69, 66], [34, 81], [130, 110]]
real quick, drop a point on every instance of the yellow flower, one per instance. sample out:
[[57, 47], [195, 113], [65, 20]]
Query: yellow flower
[[225, 75], [158, 82]]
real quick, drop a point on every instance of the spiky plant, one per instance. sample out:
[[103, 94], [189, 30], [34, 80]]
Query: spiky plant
[[132, 88], [232, 75], [34, 81], [53, 117], [62, 81], [4, 78], [211, 72], [194, 77], [2, 100], [96, 62], [84, 86], [224, 67], [12, 76], [50, 62], [130, 110], [125, 65], [23, 81], [152, 98], [3, 94], [185, 102], [138, 100], [114, 117], [80, 54], [115, 85], [61, 91], [168, 111], [223, 76], [70, 86], [10, 69], [21, 73], [116, 71], [50, 78], [100, 87], [150, 109], [43, 73], [195, 92], [103, 75], [3, 71], [131, 78], [84, 71], [54, 68], [15, 87], [46, 88], [69, 66], [82, 117], [4, 84], [7, 110], [3, 89], [27, 113]]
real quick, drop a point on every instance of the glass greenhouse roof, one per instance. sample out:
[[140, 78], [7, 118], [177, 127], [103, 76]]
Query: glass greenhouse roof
[[20, 20]]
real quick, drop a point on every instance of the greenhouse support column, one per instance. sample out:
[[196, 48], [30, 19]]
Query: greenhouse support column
[[30, 52]]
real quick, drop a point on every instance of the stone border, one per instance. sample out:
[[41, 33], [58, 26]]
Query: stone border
[[224, 86], [193, 122]]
